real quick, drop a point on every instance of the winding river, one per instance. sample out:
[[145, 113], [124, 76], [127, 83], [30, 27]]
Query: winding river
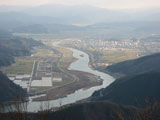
[[80, 65]]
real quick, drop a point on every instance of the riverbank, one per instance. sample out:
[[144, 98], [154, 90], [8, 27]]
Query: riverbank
[[85, 81], [85, 90], [82, 80], [115, 75]]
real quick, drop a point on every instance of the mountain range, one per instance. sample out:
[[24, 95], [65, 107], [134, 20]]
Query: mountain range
[[81, 14]]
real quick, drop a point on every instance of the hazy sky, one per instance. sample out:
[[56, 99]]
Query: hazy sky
[[115, 4]]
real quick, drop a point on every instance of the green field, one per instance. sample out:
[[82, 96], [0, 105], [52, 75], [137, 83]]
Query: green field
[[111, 56], [66, 80], [115, 56], [22, 65]]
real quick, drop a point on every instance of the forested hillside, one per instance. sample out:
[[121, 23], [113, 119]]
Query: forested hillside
[[8, 90], [11, 46], [138, 90], [144, 64]]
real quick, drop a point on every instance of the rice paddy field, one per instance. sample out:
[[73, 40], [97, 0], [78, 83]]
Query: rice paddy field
[[22, 65], [117, 55]]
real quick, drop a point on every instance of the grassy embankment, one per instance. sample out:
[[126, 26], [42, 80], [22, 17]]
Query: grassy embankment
[[111, 56], [22, 65], [115, 55]]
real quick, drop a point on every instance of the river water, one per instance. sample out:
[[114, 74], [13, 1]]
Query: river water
[[80, 65]]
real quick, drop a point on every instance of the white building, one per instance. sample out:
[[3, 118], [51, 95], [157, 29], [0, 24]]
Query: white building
[[46, 78], [48, 74], [41, 83], [19, 77], [57, 79], [23, 84]]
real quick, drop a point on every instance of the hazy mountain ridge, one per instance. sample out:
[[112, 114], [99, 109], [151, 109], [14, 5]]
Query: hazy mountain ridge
[[85, 14], [12, 20], [57, 18]]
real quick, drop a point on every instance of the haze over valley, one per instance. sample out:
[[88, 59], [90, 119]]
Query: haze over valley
[[83, 60]]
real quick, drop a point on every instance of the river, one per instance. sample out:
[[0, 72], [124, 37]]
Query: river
[[81, 64]]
